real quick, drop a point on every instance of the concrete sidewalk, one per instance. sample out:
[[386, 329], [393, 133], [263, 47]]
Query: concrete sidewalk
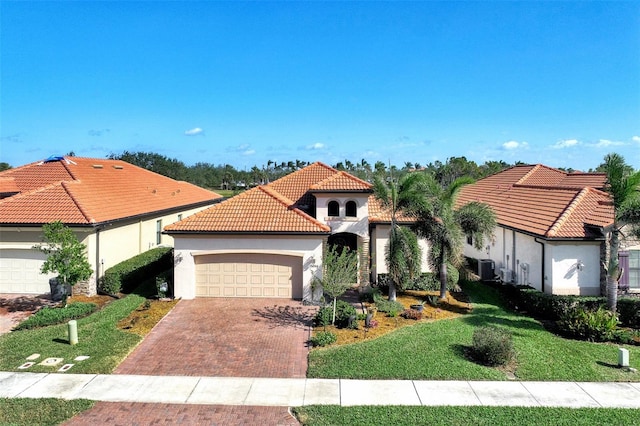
[[299, 392]]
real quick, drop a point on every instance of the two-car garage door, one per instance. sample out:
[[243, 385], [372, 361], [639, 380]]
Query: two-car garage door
[[249, 275]]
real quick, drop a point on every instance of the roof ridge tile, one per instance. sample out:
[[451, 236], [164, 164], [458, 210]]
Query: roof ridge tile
[[555, 228], [290, 205], [82, 210]]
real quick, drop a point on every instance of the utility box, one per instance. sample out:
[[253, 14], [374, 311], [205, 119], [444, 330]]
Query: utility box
[[486, 268]]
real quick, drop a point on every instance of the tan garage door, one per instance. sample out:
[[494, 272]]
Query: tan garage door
[[249, 275], [20, 272]]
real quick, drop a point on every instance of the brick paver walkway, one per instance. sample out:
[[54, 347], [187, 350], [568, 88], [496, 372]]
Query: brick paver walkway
[[138, 414], [226, 337]]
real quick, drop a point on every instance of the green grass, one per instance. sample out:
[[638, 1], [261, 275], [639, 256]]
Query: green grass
[[436, 351], [47, 411], [98, 337], [335, 415]]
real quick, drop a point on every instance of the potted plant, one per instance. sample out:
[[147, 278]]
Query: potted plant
[[417, 307]]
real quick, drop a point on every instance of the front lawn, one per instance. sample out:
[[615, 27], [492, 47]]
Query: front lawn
[[436, 351], [98, 337], [334, 415]]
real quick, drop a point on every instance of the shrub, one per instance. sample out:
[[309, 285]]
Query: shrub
[[391, 307], [323, 338], [51, 316], [323, 317], [492, 346], [629, 312], [343, 311], [411, 314], [594, 325], [129, 274]]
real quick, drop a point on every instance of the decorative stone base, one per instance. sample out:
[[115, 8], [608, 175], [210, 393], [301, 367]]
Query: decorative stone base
[[85, 288]]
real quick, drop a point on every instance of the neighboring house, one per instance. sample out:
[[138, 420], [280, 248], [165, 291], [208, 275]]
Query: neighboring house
[[268, 241], [551, 229], [116, 209]]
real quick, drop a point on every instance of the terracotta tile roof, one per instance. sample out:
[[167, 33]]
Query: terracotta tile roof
[[544, 201], [88, 191], [341, 182], [8, 185], [295, 186], [258, 210], [282, 206]]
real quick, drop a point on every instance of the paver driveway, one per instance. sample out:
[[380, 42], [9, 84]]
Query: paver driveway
[[226, 337]]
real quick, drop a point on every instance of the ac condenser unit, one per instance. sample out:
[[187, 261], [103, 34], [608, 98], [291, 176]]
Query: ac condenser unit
[[506, 275], [486, 269]]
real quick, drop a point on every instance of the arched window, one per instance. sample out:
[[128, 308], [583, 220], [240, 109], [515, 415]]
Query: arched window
[[351, 209], [334, 208]]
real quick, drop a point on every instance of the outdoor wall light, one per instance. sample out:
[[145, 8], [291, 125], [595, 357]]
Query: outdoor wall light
[[579, 265]]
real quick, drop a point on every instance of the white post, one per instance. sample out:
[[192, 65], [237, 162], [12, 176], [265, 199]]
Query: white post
[[623, 357], [73, 332]]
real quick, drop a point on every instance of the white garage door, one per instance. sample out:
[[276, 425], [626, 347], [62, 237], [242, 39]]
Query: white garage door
[[20, 272], [249, 275]]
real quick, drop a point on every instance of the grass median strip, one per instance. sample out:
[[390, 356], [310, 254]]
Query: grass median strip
[[45, 411], [99, 338], [451, 416]]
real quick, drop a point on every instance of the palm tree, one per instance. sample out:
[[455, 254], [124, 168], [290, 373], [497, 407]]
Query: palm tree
[[444, 226], [402, 252], [623, 185]]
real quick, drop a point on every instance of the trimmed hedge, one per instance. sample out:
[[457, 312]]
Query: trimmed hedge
[[129, 274], [629, 312], [554, 307]]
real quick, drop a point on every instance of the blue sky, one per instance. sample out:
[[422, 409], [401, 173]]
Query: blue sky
[[241, 83]]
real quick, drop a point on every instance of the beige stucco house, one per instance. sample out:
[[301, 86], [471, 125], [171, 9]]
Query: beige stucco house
[[116, 209]]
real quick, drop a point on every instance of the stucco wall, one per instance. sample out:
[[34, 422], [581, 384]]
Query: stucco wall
[[117, 242], [379, 239], [512, 250], [187, 247], [574, 268], [358, 225]]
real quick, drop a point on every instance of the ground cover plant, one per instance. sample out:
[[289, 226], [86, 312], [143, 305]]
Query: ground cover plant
[[436, 350], [451, 416], [50, 315]]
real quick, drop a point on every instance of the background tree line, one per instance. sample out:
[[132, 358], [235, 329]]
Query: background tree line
[[226, 176]]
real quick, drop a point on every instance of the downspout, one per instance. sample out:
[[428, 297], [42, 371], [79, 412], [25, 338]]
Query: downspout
[[514, 265], [543, 260]]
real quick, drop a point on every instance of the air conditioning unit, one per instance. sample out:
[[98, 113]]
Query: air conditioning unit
[[486, 269], [506, 275]]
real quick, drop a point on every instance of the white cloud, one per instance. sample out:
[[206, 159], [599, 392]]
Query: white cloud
[[194, 132], [604, 143], [565, 143], [316, 146], [249, 152], [636, 139], [511, 145]]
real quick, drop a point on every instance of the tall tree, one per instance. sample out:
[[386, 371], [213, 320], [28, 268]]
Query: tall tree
[[444, 226], [402, 252], [623, 185]]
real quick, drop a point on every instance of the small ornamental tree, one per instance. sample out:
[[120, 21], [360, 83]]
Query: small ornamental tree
[[339, 273], [65, 254]]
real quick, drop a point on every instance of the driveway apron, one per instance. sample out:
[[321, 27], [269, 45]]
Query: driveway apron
[[228, 337]]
